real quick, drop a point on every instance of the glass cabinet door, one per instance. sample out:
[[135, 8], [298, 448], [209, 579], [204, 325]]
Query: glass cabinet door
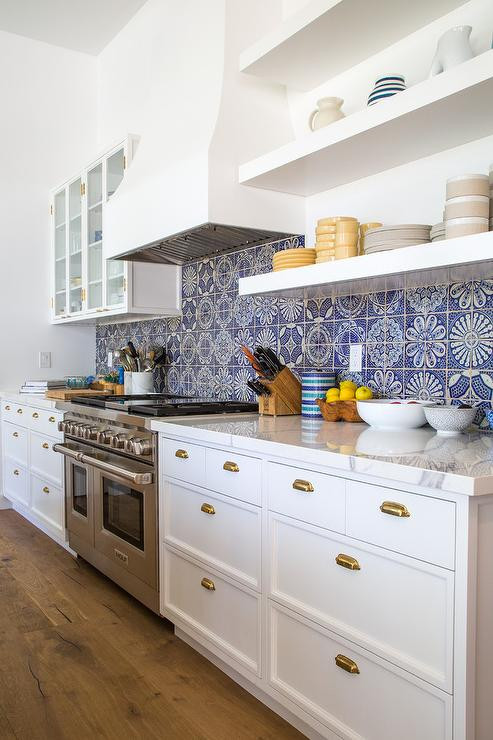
[[95, 237], [60, 287], [115, 269], [75, 247]]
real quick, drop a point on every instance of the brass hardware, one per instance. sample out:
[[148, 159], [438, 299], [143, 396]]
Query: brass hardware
[[35, 415], [390, 507], [208, 509], [182, 454], [346, 664], [347, 562], [208, 584], [83, 188], [51, 210], [16, 472], [7, 408], [231, 467], [19, 411], [124, 162], [52, 419], [45, 446], [124, 285], [46, 489], [303, 485], [83, 294], [51, 301], [15, 434]]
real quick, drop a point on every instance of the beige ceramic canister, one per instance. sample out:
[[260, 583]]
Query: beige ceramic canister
[[467, 206], [467, 185], [465, 227]]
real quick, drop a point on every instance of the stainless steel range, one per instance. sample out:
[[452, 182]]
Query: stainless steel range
[[111, 482]]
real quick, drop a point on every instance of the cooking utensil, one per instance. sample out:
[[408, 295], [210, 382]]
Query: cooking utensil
[[251, 359]]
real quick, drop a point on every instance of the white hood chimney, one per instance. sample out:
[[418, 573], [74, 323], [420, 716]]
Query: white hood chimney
[[181, 198]]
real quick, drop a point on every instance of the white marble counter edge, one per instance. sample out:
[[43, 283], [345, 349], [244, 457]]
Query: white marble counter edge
[[434, 480], [28, 399]]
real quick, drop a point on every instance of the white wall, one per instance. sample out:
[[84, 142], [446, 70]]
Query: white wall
[[48, 131]]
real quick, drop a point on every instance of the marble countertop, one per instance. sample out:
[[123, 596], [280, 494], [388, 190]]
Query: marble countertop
[[461, 464], [30, 400]]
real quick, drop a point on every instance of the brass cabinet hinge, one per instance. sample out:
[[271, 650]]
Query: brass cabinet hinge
[[124, 285], [83, 294], [51, 210], [83, 188]]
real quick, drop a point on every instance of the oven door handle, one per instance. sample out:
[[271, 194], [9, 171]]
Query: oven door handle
[[68, 452], [137, 478]]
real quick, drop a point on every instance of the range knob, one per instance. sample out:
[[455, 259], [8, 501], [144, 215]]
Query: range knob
[[62, 426], [80, 429], [118, 440], [103, 437], [142, 447], [90, 433]]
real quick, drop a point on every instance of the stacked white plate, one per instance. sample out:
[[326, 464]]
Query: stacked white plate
[[437, 233], [386, 238]]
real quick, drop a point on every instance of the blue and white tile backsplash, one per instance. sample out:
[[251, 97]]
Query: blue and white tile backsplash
[[428, 342]]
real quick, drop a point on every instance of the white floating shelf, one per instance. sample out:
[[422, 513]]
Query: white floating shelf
[[327, 37], [450, 260], [445, 111]]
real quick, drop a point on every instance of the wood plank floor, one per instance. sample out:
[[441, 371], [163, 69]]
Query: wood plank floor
[[79, 658]]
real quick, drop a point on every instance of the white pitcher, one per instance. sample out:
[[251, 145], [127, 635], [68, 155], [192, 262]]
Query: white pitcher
[[327, 111], [452, 48]]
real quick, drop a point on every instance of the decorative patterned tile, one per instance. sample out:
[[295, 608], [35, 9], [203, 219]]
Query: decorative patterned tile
[[428, 299], [243, 311], [458, 384], [189, 314], [224, 309], [291, 343], [206, 312], [205, 276], [189, 280], [424, 384], [319, 309], [266, 310]]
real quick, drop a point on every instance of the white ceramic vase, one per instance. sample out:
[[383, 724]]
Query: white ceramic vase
[[328, 110], [142, 383], [453, 48]]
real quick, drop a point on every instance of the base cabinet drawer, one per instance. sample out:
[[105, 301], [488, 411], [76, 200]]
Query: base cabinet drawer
[[350, 690], [15, 443], [338, 591], [16, 413], [47, 501], [183, 460], [414, 525], [44, 461], [224, 614], [234, 475], [312, 497], [223, 532], [16, 482]]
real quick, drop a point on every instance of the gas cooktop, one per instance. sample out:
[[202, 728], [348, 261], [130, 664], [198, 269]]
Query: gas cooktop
[[163, 404]]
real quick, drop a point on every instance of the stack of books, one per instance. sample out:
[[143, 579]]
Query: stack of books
[[39, 387]]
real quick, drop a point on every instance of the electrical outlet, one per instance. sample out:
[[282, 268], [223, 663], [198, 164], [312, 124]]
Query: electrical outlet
[[356, 358], [45, 359], [110, 359]]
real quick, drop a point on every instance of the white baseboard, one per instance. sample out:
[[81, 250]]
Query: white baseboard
[[4, 503]]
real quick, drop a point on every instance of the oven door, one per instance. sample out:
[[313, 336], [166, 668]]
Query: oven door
[[125, 523], [79, 502]]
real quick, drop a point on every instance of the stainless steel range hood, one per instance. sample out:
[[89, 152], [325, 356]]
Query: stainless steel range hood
[[180, 199], [203, 241]]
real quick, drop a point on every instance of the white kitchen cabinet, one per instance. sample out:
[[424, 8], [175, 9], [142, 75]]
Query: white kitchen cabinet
[[33, 476], [86, 287]]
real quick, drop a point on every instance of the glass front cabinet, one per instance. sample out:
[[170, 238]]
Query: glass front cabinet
[[85, 286]]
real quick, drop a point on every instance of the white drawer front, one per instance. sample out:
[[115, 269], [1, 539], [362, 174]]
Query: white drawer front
[[324, 505], [183, 461], [223, 532], [45, 421], [409, 592], [47, 502], [15, 443], [15, 481], [234, 475], [378, 703], [44, 462], [427, 532], [16, 413], [228, 616]]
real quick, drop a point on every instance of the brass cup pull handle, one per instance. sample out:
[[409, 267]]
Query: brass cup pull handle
[[19, 411], [346, 664], [7, 408], [182, 454], [45, 446], [303, 485], [394, 509], [16, 472], [208, 584], [208, 509], [35, 415], [46, 489], [52, 419], [231, 467], [346, 561], [15, 434]]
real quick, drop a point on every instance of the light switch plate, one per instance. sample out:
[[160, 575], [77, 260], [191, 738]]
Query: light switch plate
[[45, 359], [356, 358], [110, 359]]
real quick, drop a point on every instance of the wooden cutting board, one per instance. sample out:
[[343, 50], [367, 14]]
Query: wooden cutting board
[[65, 394]]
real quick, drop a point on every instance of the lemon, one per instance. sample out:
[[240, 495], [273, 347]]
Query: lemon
[[364, 393], [347, 394], [347, 384], [332, 395]]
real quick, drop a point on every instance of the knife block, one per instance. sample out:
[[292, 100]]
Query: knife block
[[285, 397]]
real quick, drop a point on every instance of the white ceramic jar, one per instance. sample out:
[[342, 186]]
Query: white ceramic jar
[[328, 110], [453, 48]]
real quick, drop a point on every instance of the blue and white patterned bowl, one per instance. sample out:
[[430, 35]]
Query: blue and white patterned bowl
[[449, 420]]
